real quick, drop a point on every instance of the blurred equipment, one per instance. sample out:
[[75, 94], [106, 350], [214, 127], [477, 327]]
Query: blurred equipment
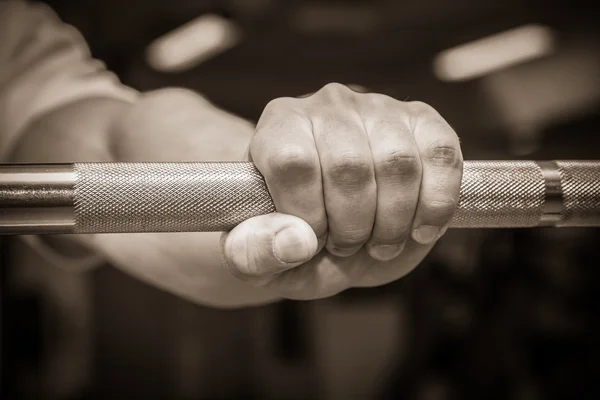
[[532, 97], [493, 53], [192, 43]]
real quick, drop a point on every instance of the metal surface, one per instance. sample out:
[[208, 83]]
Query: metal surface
[[204, 197], [581, 193], [37, 198], [553, 199], [167, 197], [501, 195]]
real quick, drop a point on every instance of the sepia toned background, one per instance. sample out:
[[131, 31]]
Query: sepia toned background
[[491, 314]]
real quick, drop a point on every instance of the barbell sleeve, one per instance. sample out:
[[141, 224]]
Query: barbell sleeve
[[216, 196]]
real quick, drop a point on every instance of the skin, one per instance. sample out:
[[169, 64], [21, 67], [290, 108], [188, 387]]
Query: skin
[[364, 185]]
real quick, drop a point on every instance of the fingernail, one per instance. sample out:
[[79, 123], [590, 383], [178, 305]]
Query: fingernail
[[342, 251], [291, 246], [385, 252], [426, 234]]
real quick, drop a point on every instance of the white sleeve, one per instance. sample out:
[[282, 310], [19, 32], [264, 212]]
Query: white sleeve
[[46, 64]]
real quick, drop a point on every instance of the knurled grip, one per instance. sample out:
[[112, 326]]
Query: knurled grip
[[205, 197], [167, 197], [502, 195], [580, 183]]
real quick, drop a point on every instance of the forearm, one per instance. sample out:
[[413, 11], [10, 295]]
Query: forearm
[[107, 129], [58, 104], [99, 129], [77, 131]]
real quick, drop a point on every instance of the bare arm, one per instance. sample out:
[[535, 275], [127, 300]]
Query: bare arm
[[58, 104], [364, 184], [167, 125]]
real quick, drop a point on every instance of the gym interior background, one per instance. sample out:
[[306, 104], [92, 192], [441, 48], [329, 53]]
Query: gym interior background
[[491, 314]]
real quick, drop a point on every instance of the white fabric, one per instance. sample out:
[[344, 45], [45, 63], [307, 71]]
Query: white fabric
[[46, 64]]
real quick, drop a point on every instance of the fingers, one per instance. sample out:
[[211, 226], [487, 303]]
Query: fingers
[[441, 160], [398, 174], [318, 165], [360, 169], [283, 149], [347, 170], [268, 244]]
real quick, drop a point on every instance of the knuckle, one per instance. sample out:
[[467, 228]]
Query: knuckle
[[294, 162], [381, 99], [258, 144], [375, 100], [244, 264], [278, 103], [335, 87], [278, 114], [334, 93], [423, 118], [350, 169], [444, 154], [400, 162], [422, 109]]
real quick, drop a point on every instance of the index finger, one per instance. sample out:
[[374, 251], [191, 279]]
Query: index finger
[[284, 151]]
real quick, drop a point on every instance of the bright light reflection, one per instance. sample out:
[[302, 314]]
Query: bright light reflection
[[192, 43], [492, 53]]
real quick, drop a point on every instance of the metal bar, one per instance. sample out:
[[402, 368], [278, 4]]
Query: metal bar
[[216, 196]]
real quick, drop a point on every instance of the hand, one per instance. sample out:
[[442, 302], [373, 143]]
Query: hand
[[364, 186], [312, 153]]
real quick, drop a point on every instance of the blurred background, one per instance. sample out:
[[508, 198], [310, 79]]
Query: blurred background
[[491, 314]]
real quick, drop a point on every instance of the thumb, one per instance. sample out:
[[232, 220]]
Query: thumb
[[268, 244]]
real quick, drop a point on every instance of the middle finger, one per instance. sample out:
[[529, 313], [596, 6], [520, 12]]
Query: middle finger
[[348, 181]]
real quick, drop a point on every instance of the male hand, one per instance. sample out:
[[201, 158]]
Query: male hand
[[363, 184]]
